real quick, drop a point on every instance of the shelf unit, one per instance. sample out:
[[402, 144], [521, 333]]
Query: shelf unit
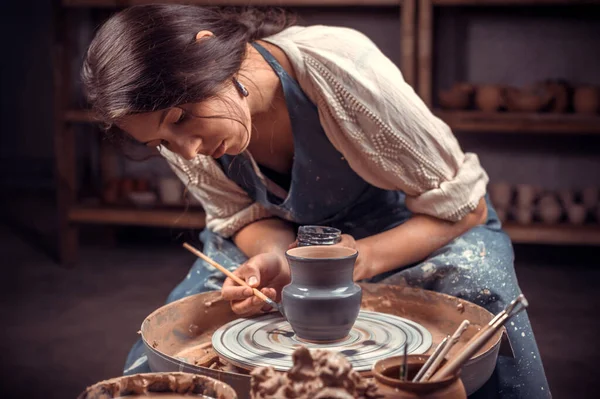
[[561, 234], [477, 122], [71, 213]]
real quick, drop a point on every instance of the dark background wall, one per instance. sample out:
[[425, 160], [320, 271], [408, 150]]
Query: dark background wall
[[490, 45]]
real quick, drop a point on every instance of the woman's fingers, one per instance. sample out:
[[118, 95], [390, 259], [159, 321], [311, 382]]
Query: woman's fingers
[[233, 291], [253, 305]]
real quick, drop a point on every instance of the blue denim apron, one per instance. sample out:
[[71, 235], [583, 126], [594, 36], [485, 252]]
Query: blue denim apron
[[323, 189]]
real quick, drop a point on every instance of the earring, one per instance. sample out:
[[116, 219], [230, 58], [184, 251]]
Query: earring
[[243, 91]]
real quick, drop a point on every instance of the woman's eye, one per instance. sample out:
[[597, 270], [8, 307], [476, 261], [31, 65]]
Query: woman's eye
[[181, 118]]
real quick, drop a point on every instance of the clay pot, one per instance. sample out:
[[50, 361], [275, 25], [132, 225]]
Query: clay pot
[[523, 215], [526, 194], [566, 197], [322, 301], [386, 373], [586, 100], [559, 91], [549, 209], [589, 196], [576, 213], [501, 194], [458, 97], [160, 385], [531, 99], [490, 98]]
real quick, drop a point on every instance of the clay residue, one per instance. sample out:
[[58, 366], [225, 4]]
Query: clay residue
[[147, 385], [315, 374]]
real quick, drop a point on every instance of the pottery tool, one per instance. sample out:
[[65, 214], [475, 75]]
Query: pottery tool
[[404, 376], [235, 278], [480, 339], [442, 355], [431, 359]]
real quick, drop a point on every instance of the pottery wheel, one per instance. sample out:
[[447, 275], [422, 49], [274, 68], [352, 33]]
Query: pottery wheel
[[269, 340]]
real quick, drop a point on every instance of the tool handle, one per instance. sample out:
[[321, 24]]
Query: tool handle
[[226, 272]]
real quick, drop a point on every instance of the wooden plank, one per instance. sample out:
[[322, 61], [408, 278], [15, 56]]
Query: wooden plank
[[511, 2], [562, 234], [425, 52], [64, 140], [408, 41], [173, 218], [284, 3], [513, 122]]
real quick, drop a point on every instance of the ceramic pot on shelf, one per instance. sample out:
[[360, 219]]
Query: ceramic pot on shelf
[[586, 100], [387, 372], [322, 302], [457, 97], [490, 98]]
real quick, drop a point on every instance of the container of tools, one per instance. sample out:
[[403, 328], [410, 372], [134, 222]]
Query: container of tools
[[438, 375]]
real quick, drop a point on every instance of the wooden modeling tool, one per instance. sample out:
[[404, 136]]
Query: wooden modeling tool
[[235, 278], [481, 338], [431, 359], [438, 360]]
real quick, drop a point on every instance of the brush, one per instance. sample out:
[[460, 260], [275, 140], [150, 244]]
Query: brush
[[235, 278]]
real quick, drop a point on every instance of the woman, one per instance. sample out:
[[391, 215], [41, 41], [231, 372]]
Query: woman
[[272, 126]]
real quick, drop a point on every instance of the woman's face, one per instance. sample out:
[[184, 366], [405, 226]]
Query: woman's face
[[213, 127]]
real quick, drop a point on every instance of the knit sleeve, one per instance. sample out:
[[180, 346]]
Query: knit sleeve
[[382, 128]]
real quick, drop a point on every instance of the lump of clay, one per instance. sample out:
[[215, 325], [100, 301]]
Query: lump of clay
[[316, 374]]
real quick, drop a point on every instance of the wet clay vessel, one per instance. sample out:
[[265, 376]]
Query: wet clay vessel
[[387, 371], [159, 386], [322, 302]]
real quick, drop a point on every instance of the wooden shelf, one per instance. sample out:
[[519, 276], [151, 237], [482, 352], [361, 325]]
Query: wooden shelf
[[561, 234], [175, 218], [280, 3], [512, 2], [475, 121]]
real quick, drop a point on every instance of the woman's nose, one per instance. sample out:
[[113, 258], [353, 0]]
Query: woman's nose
[[185, 149]]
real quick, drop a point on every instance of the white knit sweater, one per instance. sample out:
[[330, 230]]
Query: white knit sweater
[[372, 117]]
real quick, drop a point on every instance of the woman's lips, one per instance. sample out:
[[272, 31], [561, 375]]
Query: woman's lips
[[220, 151]]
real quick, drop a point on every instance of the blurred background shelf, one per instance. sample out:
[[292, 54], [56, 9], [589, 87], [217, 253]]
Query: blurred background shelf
[[157, 217], [560, 234], [513, 122], [510, 2], [287, 3]]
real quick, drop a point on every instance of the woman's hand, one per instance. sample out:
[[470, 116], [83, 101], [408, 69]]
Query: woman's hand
[[269, 271], [363, 267]]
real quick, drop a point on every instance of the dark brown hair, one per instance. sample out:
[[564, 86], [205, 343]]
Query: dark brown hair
[[146, 58]]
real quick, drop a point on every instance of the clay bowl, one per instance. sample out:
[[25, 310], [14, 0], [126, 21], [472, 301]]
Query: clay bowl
[[458, 97], [176, 335], [527, 100], [386, 373], [160, 385], [559, 91], [490, 98], [586, 100]]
